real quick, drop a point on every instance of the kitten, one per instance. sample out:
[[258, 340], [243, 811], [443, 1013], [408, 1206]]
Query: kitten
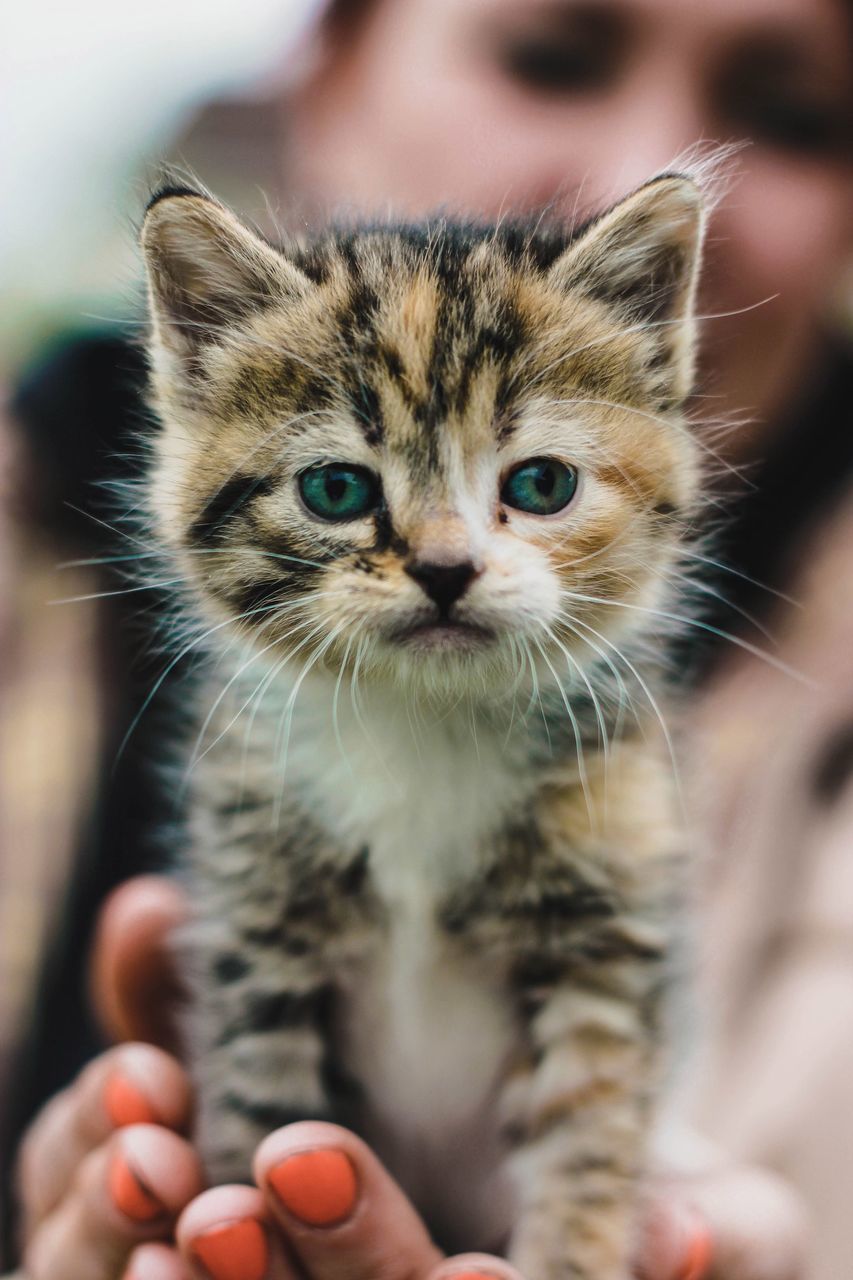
[[428, 489]]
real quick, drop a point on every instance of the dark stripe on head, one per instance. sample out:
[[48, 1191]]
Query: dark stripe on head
[[260, 388], [392, 361], [356, 320], [506, 417], [497, 342], [367, 410]]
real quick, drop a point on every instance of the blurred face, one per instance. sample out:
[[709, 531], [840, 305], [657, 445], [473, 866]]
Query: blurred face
[[492, 106]]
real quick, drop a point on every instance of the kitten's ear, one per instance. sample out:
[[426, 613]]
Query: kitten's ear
[[643, 257], [206, 270]]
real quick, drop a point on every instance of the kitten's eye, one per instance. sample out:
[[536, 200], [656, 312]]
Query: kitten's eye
[[339, 492], [540, 486]]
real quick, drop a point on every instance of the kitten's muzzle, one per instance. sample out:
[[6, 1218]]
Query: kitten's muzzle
[[443, 583]]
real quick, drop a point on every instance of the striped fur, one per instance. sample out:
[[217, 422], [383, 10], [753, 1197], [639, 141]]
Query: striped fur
[[436, 869]]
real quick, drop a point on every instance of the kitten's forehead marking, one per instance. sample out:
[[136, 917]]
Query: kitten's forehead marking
[[430, 357], [425, 351]]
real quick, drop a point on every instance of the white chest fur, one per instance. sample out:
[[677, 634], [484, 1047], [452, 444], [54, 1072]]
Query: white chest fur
[[427, 1032], [424, 794]]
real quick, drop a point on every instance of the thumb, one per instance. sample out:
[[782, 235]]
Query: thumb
[[730, 1223], [133, 982]]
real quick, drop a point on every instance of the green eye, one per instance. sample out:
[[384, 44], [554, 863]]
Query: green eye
[[540, 486], [339, 492]]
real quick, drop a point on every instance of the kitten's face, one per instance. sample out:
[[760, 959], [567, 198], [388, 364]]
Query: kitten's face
[[441, 456]]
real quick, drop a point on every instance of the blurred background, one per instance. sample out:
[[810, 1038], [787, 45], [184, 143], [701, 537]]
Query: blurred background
[[96, 99], [290, 110], [101, 102]]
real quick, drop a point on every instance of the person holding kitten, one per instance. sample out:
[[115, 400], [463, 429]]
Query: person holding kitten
[[559, 104]]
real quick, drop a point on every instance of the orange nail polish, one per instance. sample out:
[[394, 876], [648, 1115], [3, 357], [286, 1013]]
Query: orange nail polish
[[129, 1193], [234, 1250], [318, 1187], [697, 1259], [126, 1104]]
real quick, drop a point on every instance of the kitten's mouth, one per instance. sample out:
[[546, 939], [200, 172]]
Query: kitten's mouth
[[444, 633]]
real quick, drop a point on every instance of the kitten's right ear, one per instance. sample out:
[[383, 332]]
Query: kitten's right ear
[[206, 270]]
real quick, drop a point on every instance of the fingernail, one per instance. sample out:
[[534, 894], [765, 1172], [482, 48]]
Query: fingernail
[[697, 1257], [234, 1250], [130, 1194], [126, 1104], [317, 1187]]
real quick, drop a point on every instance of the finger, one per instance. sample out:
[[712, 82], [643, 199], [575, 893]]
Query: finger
[[228, 1234], [134, 985], [747, 1224], [131, 1084], [128, 1191], [156, 1262], [474, 1266], [675, 1243], [343, 1215], [758, 1225]]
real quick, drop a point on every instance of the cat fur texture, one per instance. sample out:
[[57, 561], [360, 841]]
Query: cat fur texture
[[435, 862]]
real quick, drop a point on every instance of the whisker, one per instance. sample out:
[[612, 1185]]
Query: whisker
[[335, 722], [289, 709], [582, 774], [602, 727], [255, 701], [644, 327], [188, 648], [624, 696], [195, 551], [737, 573], [121, 591], [195, 757], [696, 584], [652, 701], [671, 422], [703, 626], [535, 694], [518, 663], [90, 515]]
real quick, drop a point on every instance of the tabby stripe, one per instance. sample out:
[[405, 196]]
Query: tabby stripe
[[270, 1115], [232, 499], [272, 1012]]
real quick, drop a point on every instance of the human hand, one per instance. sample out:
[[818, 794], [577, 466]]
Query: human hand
[[102, 1195]]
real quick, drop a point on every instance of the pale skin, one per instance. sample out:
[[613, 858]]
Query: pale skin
[[569, 104], [73, 1226], [487, 141]]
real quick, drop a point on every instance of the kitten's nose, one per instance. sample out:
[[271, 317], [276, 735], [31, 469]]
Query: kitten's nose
[[443, 583]]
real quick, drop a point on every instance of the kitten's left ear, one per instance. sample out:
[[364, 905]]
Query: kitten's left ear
[[643, 258]]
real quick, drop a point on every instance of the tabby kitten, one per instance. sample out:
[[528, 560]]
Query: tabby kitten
[[428, 489]]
